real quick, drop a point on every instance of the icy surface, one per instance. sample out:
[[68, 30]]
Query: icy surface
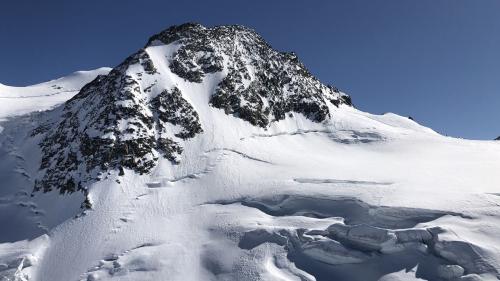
[[353, 197]]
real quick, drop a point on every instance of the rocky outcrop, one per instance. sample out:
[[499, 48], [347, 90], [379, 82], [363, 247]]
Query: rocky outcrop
[[114, 124], [261, 84]]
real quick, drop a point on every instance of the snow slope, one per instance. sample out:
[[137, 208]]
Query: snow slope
[[352, 197], [21, 100]]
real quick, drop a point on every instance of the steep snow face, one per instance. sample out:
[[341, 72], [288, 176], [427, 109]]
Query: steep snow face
[[198, 160], [138, 113]]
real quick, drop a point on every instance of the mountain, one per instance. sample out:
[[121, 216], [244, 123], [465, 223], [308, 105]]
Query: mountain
[[208, 155], [138, 112]]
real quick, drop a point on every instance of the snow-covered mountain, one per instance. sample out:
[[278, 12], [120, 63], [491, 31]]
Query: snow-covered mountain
[[208, 155]]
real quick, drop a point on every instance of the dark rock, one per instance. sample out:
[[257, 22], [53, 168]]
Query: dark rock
[[109, 126], [172, 108], [262, 84]]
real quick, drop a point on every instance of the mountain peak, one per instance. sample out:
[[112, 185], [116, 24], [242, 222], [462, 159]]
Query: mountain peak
[[255, 71], [143, 109], [196, 30]]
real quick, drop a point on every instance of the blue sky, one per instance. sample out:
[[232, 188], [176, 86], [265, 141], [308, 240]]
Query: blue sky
[[435, 60]]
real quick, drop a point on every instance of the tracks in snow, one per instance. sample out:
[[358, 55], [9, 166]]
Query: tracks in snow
[[17, 194], [137, 259], [337, 181], [244, 155], [340, 136], [165, 182], [41, 96]]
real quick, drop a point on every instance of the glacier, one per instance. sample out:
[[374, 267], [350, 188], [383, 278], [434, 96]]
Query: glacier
[[284, 179]]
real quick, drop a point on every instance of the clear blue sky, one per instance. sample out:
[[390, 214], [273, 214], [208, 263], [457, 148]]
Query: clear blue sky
[[436, 60]]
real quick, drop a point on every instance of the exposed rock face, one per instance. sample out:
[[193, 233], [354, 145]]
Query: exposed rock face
[[172, 108], [120, 121], [261, 84], [114, 124]]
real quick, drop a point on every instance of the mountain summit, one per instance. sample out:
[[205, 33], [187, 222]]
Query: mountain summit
[[208, 155], [138, 112]]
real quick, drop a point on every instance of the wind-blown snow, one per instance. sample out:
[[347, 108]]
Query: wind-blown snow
[[355, 197]]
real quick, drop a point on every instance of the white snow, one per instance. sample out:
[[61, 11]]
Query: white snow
[[21, 100], [252, 204]]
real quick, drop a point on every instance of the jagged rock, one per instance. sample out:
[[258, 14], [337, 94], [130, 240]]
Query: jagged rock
[[86, 204], [172, 108], [262, 84], [111, 125], [126, 119]]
